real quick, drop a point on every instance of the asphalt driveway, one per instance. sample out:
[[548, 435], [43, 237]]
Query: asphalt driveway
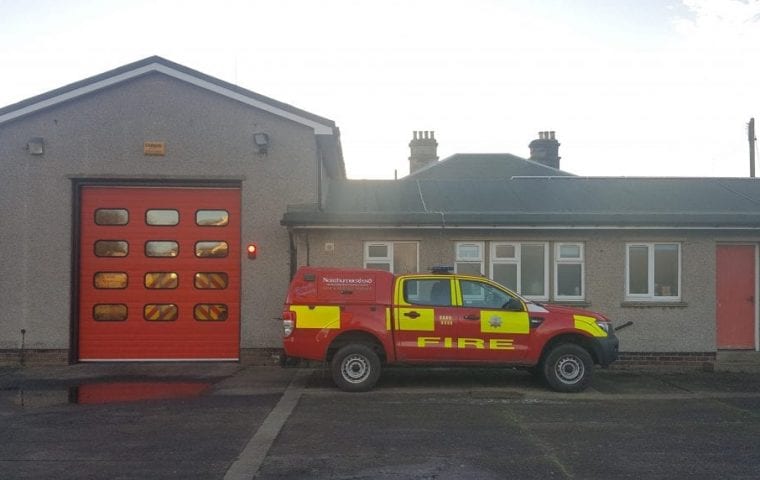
[[211, 421]]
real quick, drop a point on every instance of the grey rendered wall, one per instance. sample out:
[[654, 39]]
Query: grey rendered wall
[[208, 137], [688, 326]]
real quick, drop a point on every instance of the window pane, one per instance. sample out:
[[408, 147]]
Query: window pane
[[162, 217], [161, 249], [666, 270], [161, 280], [379, 266], [532, 270], [569, 251], [160, 312], [468, 251], [428, 292], [469, 268], [482, 295], [212, 218], [211, 280], [377, 251], [404, 258], [569, 280], [110, 280], [111, 216], [504, 251], [506, 274], [210, 312], [638, 270], [111, 248], [211, 249], [110, 312]]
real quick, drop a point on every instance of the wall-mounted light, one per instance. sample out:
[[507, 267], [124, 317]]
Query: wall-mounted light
[[36, 146], [262, 141]]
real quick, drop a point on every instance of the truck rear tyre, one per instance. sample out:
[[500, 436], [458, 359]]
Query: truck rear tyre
[[568, 368], [355, 368]]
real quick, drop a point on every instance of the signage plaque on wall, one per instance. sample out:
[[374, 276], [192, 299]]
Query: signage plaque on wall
[[157, 149]]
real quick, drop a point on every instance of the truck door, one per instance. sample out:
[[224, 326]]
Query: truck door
[[491, 325], [424, 318]]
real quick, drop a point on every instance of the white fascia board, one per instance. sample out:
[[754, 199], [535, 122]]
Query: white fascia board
[[319, 128]]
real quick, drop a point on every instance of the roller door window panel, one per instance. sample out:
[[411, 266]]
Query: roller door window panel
[[111, 216], [212, 218]]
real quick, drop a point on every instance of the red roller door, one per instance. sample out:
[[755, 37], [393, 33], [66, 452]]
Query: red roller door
[[159, 273]]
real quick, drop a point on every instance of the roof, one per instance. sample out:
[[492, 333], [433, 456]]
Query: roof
[[325, 130], [484, 165], [157, 64], [537, 202]]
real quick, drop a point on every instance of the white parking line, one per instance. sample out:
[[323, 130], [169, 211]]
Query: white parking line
[[250, 459]]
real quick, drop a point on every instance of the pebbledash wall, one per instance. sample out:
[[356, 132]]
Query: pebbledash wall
[[98, 136], [663, 334]]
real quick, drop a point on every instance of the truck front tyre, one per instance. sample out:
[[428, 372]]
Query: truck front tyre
[[355, 368], [568, 368]]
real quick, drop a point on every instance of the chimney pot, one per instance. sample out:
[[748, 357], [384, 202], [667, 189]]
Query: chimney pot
[[424, 150], [545, 149]]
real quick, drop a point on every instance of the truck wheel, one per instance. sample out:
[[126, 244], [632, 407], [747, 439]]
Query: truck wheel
[[568, 368], [355, 368]]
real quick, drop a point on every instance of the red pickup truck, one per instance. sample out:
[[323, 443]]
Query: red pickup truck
[[359, 320]]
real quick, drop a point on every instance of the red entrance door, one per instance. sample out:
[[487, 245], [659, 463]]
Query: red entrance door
[[159, 275], [735, 286]]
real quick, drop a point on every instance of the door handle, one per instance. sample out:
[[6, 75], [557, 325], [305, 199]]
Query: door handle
[[751, 299], [412, 314], [472, 317]]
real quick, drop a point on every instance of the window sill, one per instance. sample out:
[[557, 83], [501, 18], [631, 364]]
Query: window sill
[[654, 303]]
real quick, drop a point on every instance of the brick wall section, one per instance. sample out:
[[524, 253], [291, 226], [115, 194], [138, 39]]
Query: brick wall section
[[261, 356], [34, 357], [699, 360], [248, 356]]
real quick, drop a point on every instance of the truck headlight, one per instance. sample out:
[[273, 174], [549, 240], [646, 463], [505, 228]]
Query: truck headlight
[[606, 326]]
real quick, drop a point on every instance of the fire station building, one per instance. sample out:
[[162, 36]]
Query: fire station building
[[156, 213], [129, 201]]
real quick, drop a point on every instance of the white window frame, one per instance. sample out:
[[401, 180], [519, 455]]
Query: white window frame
[[517, 260], [389, 258], [559, 260], [495, 260], [650, 295], [479, 260]]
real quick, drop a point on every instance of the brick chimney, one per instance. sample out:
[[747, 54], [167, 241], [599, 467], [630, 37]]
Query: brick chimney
[[545, 150], [424, 150]]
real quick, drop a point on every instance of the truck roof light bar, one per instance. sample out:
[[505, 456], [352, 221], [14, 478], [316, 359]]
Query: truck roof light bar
[[442, 269]]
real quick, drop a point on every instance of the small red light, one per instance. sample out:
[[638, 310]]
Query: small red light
[[252, 249]]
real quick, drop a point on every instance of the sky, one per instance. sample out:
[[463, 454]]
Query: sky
[[632, 88]]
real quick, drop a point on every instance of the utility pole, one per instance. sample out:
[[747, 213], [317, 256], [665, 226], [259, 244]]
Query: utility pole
[[752, 141]]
